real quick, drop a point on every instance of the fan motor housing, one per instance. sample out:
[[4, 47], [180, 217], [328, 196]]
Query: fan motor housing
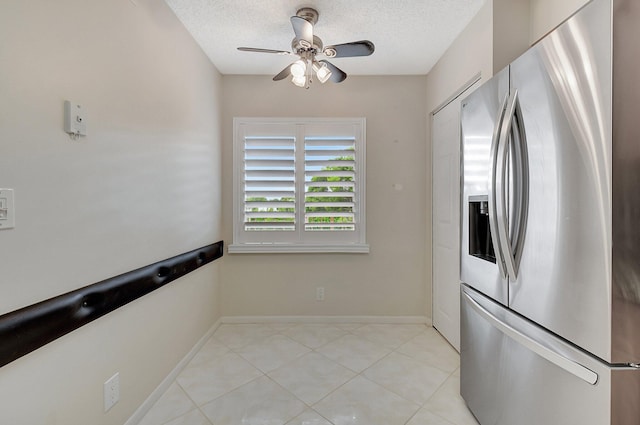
[[298, 47], [308, 14]]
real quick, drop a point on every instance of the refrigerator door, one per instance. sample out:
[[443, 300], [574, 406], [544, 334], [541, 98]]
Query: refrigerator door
[[481, 116], [514, 372], [564, 91]]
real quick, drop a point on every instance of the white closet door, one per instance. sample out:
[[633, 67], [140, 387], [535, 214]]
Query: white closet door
[[445, 169]]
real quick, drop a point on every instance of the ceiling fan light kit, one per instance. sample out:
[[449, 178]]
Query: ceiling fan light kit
[[306, 46], [323, 73]]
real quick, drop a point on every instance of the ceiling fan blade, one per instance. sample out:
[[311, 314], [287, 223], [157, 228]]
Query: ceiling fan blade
[[253, 49], [283, 74], [303, 30], [347, 50], [337, 75]]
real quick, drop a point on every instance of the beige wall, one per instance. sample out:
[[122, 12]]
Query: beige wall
[[497, 35], [548, 14], [510, 31], [141, 187], [469, 55], [391, 279]]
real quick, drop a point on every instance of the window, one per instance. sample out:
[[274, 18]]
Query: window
[[299, 185]]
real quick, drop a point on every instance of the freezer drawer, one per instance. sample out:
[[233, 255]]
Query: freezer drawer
[[514, 372]]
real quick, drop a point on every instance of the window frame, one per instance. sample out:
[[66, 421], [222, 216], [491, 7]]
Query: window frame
[[299, 240]]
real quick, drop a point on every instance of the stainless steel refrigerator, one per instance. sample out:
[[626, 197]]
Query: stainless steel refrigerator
[[550, 241]]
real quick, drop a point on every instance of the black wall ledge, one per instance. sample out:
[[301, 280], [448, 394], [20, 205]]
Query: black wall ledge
[[31, 327]]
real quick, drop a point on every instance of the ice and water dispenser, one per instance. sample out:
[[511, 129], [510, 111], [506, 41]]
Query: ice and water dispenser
[[480, 243]]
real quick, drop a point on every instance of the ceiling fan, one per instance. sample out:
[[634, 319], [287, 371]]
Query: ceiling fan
[[306, 46]]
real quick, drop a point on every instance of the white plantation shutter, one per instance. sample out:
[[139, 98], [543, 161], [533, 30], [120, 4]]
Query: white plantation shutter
[[299, 185], [330, 188], [269, 183]]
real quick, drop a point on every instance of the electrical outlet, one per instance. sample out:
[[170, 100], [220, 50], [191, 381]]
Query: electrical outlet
[[319, 293], [7, 213], [111, 391]]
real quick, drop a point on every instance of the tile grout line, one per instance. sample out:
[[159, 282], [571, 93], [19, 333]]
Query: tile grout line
[[310, 407], [361, 373]]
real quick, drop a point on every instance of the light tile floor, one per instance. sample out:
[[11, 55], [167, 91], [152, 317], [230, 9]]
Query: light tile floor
[[317, 374]]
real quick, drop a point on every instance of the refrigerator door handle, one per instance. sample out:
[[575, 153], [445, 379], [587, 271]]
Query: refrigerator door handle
[[494, 173], [559, 360], [521, 183], [511, 242]]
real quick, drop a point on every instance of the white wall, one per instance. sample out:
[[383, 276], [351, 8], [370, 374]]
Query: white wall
[[143, 186], [391, 279]]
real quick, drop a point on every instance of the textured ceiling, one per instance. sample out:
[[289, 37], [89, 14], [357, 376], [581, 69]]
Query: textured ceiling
[[409, 35]]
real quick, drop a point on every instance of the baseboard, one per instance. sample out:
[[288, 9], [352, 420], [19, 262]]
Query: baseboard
[[328, 319], [166, 382]]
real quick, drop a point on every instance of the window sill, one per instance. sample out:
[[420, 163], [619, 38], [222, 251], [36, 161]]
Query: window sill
[[297, 249]]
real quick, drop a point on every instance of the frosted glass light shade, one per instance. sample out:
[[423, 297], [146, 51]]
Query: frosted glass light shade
[[322, 72], [299, 81], [298, 68]]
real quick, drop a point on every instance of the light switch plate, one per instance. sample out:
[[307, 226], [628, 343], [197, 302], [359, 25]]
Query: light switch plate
[[7, 211], [75, 119]]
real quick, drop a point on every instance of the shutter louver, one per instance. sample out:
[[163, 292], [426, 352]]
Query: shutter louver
[[269, 183], [330, 169]]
